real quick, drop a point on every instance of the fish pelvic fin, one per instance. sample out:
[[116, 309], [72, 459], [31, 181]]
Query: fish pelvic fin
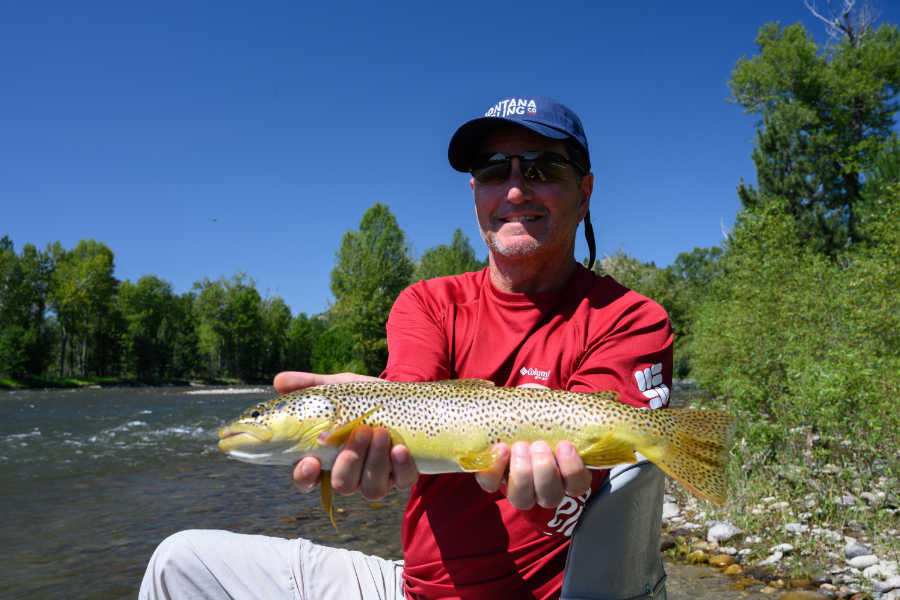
[[477, 461], [342, 434], [697, 453], [327, 496]]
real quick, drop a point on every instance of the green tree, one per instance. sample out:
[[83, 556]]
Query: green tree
[[186, 356], [153, 324], [82, 294], [276, 319], [302, 336], [230, 328], [373, 267], [335, 351], [823, 115], [209, 317], [25, 335], [442, 260], [244, 339]]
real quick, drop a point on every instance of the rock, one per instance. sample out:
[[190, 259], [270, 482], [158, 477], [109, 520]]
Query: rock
[[670, 510], [870, 498], [720, 560], [730, 550], [796, 528], [783, 548], [891, 583], [883, 570], [701, 545], [891, 595], [861, 562], [854, 549], [771, 559], [779, 506], [697, 557], [847, 500], [722, 532], [666, 542], [733, 569], [753, 539], [803, 595]]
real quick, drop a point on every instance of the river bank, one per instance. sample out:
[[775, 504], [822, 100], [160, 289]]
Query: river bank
[[90, 381], [819, 520]]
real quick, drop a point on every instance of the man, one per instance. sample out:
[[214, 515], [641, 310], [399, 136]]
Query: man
[[533, 317]]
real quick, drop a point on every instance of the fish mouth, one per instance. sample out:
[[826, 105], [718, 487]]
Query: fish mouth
[[240, 434]]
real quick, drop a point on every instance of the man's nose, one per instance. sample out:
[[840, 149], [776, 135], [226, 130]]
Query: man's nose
[[518, 187]]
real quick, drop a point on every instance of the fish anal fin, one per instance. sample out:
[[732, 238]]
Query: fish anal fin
[[327, 496], [477, 461], [607, 451], [342, 434]]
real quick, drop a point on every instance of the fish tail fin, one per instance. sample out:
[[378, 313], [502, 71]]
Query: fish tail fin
[[697, 453]]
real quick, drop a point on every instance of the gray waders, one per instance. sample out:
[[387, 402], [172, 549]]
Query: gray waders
[[614, 553]]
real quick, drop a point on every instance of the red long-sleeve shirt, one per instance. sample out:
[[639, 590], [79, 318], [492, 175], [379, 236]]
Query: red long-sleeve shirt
[[590, 335]]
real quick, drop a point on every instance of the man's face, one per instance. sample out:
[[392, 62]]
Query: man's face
[[522, 219]]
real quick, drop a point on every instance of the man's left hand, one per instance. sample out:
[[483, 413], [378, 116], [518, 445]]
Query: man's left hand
[[535, 475]]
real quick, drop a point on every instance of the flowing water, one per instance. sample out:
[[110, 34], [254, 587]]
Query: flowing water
[[92, 480]]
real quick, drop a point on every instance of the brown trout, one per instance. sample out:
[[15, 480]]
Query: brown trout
[[451, 426]]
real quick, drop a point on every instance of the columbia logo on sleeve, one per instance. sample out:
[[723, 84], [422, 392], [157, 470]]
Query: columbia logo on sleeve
[[650, 383]]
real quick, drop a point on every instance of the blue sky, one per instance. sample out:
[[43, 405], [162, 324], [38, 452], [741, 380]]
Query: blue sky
[[200, 139]]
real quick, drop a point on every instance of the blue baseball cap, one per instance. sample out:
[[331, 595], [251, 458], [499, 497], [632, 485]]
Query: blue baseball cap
[[544, 116]]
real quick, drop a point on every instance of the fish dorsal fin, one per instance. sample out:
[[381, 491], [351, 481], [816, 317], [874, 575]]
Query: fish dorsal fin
[[605, 395], [467, 382]]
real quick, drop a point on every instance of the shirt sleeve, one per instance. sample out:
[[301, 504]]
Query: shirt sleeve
[[418, 348], [632, 356]]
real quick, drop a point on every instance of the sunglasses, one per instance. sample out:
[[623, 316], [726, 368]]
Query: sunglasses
[[536, 165]]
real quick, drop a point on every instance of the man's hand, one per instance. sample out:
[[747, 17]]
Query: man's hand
[[366, 463], [535, 474]]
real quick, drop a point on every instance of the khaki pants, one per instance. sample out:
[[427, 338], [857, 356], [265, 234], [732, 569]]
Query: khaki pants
[[219, 564]]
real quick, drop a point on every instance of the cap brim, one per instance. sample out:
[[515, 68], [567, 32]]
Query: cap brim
[[467, 138]]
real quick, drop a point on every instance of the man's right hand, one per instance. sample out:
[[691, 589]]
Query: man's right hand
[[367, 463]]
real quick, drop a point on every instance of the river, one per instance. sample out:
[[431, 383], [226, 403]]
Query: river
[[94, 479]]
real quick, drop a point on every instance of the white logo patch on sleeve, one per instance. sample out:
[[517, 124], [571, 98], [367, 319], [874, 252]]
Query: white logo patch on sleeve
[[649, 381]]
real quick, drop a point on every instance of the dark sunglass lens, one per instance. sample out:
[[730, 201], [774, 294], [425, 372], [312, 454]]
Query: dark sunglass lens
[[548, 166], [491, 168]]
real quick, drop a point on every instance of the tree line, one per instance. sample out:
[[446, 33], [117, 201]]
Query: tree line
[[795, 318], [63, 313]]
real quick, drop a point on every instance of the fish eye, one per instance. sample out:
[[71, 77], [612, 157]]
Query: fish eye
[[254, 414]]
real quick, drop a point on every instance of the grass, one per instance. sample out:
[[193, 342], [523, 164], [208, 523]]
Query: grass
[[804, 478]]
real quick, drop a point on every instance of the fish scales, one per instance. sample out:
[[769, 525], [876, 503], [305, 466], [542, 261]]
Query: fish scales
[[452, 426]]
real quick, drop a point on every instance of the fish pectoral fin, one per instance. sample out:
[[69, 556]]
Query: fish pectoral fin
[[341, 434], [607, 451], [467, 382], [327, 496], [477, 461]]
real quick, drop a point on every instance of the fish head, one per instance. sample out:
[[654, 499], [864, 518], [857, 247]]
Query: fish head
[[281, 430]]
